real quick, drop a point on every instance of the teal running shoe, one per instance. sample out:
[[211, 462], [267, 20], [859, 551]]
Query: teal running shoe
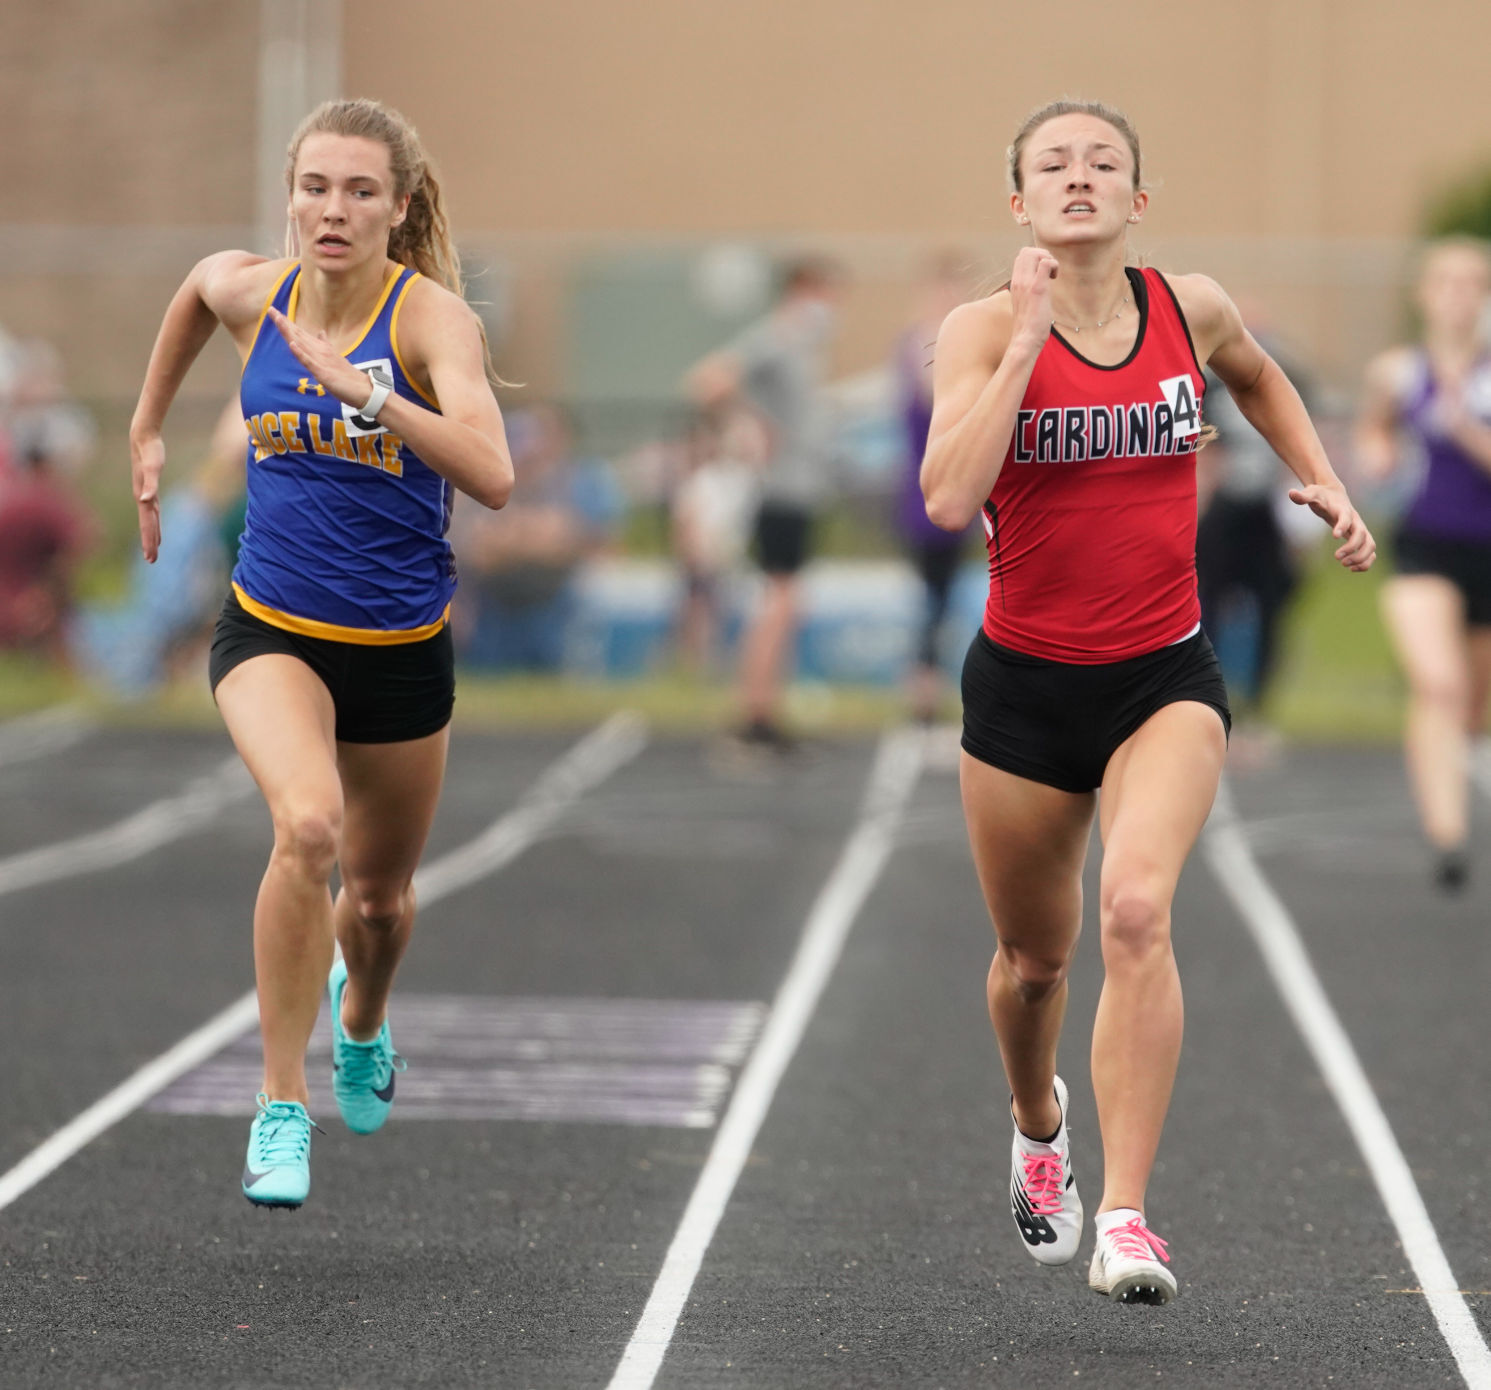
[[277, 1172], [361, 1073]]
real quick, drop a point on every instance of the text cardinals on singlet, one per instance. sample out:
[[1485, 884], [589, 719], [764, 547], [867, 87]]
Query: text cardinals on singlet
[[1141, 429], [1091, 524]]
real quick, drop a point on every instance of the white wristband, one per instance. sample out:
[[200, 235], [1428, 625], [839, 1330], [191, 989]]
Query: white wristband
[[382, 389]]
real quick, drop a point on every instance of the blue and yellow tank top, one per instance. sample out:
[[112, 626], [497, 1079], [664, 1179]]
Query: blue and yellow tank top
[[345, 533]]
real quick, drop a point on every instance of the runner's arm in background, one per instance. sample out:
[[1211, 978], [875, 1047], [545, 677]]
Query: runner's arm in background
[[715, 381], [1375, 439], [1473, 435]]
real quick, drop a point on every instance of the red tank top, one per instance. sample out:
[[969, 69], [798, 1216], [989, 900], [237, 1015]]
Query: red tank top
[[1092, 524]]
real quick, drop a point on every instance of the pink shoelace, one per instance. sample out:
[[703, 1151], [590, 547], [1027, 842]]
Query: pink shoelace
[[1044, 1183], [1135, 1239]]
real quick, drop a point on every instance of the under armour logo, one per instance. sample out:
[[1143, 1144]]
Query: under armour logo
[[307, 386]]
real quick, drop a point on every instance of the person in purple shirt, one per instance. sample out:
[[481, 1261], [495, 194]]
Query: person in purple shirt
[[935, 553], [1432, 402]]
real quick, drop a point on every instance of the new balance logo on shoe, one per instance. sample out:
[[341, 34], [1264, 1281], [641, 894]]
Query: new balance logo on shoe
[[1043, 1192], [1036, 1229]]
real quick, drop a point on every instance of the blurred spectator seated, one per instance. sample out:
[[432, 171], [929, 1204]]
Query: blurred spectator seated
[[518, 567], [162, 626], [45, 527]]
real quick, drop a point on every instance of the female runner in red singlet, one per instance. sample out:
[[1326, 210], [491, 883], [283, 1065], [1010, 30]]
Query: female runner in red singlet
[[1067, 408]]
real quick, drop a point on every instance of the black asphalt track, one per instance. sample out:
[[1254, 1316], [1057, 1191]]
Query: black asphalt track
[[868, 1242]]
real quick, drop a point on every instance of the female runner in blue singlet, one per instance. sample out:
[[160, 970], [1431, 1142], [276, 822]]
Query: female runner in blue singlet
[[366, 398], [1436, 398]]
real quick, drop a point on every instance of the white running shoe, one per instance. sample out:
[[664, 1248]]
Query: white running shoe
[[1125, 1267], [1043, 1193]]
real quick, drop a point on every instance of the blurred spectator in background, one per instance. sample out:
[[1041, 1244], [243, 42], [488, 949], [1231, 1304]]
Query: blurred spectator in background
[[10, 370], [1433, 400], [45, 528], [775, 368], [1245, 568], [712, 508], [518, 566], [163, 624], [935, 553], [40, 417]]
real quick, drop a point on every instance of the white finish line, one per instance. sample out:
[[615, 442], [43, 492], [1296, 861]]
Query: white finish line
[[1226, 849], [594, 758], [898, 764]]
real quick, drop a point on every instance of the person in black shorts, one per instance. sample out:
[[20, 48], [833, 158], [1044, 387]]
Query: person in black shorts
[[774, 369], [1067, 412], [1435, 398], [367, 400], [391, 694]]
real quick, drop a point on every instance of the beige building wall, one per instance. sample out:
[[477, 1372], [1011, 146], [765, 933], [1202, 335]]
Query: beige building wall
[[132, 155], [1290, 144], [1289, 118]]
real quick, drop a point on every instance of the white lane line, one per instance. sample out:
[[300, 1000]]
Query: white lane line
[[1480, 766], [128, 1096], [46, 731], [600, 753], [585, 765], [147, 829], [1226, 849], [898, 763]]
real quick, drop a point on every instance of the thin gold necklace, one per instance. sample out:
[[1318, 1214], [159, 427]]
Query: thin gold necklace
[[1117, 313]]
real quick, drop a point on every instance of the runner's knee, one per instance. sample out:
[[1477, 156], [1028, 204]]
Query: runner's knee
[[309, 837], [1135, 920], [1034, 975], [380, 907]]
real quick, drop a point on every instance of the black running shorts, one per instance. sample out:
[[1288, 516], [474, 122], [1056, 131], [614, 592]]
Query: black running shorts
[[1056, 723], [784, 535], [381, 694], [1466, 564]]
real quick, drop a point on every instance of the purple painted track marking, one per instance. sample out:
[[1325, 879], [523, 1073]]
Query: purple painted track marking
[[667, 1063]]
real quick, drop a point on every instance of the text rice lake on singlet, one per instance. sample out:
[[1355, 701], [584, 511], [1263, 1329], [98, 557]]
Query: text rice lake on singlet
[[345, 536]]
